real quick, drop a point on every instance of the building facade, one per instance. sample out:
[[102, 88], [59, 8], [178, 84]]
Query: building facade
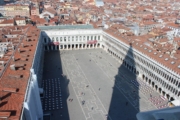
[[32, 108], [161, 78], [17, 10]]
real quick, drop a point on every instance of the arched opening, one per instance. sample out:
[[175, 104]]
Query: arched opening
[[80, 46], [95, 45], [53, 47], [146, 79], [98, 45], [163, 93], [156, 87], [57, 47], [91, 45], [84, 45], [153, 84], [65, 46], [149, 81], [167, 96], [76, 46], [159, 90], [171, 99], [61, 46], [143, 76], [87, 45], [69, 46], [178, 93], [103, 46], [72, 46]]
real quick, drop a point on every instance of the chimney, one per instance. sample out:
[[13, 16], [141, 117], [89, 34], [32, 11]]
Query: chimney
[[12, 67], [3, 63], [13, 58], [22, 44], [19, 50]]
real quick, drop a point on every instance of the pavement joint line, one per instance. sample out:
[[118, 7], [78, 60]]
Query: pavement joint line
[[139, 89], [76, 95], [92, 88], [119, 89], [135, 89]]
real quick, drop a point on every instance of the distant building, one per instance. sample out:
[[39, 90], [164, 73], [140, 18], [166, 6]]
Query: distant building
[[34, 11], [2, 11], [99, 3], [14, 10], [20, 21], [7, 23]]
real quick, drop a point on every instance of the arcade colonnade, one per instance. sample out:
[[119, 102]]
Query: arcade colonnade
[[162, 79], [72, 41]]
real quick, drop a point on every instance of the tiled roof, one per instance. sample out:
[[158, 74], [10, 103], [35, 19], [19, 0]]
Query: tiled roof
[[13, 83]]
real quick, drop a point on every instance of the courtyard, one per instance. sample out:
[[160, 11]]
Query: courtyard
[[93, 85]]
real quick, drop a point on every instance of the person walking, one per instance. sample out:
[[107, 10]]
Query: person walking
[[99, 89]]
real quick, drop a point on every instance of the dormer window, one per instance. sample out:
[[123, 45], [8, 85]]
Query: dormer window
[[155, 53], [150, 50], [172, 62]]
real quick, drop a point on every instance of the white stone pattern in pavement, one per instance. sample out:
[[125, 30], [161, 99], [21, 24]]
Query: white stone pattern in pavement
[[89, 101]]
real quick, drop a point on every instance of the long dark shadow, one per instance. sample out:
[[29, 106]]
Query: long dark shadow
[[125, 97], [55, 86]]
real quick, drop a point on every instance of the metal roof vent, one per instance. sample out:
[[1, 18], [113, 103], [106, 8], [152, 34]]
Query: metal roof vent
[[145, 48], [140, 45], [179, 66], [150, 50], [160, 56], [166, 59], [172, 62], [155, 53]]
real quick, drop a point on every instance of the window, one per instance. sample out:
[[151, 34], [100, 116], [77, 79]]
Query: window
[[45, 40], [87, 37], [98, 37], [72, 38], [61, 39], [56, 39]]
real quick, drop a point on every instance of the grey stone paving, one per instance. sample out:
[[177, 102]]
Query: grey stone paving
[[96, 78]]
